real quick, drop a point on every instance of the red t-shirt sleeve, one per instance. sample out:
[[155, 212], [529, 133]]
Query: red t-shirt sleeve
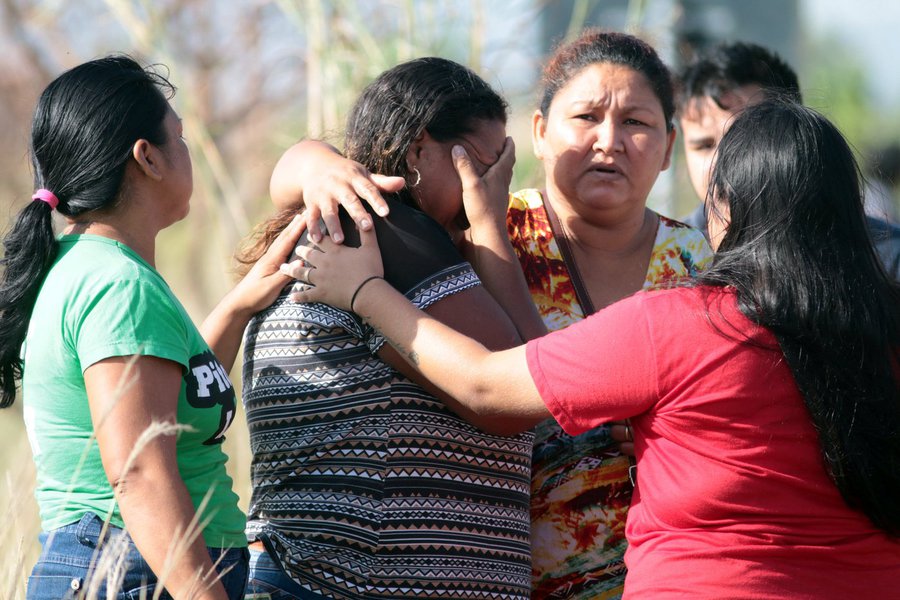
[[597, 370]]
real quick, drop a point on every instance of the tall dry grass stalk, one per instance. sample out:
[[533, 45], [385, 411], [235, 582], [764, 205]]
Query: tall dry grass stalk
[[18, 536], [111, 565], [635, 15], [218, 186], [577, 19], [635, 11], [348, 43], [180, 545]]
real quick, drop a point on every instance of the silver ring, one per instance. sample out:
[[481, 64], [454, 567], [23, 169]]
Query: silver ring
[[306, 271], [629, 437]]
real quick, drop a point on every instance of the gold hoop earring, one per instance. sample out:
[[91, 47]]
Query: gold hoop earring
[[418, 178]]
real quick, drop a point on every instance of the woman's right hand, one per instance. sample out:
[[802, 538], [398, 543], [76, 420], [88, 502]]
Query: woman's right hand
[[315, 174], [622, 434], [485, 197], [333, 272]]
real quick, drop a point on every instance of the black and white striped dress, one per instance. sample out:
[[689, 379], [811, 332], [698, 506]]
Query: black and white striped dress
[[365, 485]]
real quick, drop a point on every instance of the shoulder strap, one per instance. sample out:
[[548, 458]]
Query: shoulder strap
[[584, 299]]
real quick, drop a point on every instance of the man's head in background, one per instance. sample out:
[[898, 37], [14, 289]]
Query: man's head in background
[[714, 87]]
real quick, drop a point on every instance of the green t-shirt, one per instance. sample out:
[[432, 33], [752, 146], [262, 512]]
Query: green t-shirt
[[100, 300]]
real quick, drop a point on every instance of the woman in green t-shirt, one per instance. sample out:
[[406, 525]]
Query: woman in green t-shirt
[[125, 402]]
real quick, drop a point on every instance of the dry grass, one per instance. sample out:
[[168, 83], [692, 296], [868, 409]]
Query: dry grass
[[108, 568], [19, 547]]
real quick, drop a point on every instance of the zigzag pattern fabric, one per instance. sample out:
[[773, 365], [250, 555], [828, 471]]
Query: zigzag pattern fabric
[[366, 486]]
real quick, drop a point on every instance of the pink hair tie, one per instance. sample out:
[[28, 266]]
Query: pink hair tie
[[46, 196]]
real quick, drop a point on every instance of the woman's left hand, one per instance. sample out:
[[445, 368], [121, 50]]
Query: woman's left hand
[[259, 288], [485, 197], [335, 272], [262, 284]]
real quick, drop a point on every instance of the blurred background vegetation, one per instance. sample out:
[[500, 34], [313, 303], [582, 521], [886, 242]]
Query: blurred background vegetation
[[256, 75]]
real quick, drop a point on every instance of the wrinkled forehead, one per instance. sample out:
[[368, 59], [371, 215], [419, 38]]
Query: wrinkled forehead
[[603, 79]]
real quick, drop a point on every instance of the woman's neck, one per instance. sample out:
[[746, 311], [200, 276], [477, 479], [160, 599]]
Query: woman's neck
[[613, 232], [141, 240], [610, 253]]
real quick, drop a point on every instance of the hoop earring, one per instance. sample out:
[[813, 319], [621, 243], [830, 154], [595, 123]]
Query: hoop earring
[[418, 178]]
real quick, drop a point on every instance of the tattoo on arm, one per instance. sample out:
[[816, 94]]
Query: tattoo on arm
[[409, 355]]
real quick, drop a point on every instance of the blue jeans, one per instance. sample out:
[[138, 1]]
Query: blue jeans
[[71, 554], [268, 581]]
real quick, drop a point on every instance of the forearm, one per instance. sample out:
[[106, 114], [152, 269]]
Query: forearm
[[487, 245], [490, 252], [159, 516], [489, 384], [487, 387], [224, 328], [390, 355], [291, 170]]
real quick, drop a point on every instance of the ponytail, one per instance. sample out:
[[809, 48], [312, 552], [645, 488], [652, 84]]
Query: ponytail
[[29, 250]]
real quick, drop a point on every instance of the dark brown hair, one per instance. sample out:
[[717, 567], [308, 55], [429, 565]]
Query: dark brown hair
[[594, 46], [429, 94]]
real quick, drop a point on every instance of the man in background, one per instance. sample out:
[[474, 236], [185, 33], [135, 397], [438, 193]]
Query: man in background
[[717, 85]]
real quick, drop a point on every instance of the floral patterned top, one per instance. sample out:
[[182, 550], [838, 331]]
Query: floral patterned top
[[580, 485]]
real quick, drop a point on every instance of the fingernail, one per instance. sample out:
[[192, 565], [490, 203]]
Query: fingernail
[[337, 237], [365, 223], [316, 237], [458, 151], [382, 211], [284, 269]]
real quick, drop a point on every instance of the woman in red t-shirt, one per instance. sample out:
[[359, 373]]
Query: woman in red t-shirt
[[764, 398]]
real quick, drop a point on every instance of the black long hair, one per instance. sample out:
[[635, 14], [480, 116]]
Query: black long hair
[[84, 127], [429, 94], [798, 254]]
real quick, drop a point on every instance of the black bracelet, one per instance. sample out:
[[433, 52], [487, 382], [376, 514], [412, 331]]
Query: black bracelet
[[360, 286]]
